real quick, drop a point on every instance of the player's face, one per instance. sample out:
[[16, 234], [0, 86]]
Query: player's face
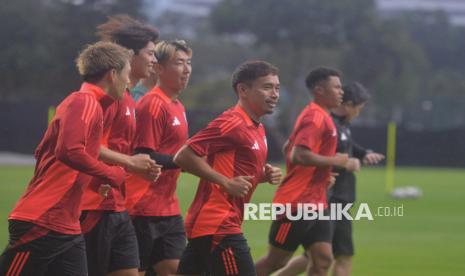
[[120, 82], [142, 63], [263, 94], [175, 72], [352, 111], [332, 92]]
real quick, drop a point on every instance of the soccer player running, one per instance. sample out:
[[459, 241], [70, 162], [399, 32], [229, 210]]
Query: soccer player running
[[111, 242], [45, 236], [343, 191], [161, 131], [310, 155], [229, 156]]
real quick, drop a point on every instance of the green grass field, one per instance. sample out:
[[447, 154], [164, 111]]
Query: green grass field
[[429, 239]]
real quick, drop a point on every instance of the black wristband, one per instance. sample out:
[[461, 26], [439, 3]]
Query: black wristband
[[165, 160]]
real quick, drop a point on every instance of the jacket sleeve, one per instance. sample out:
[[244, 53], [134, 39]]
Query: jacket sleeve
[[78, 120], [359, 151]]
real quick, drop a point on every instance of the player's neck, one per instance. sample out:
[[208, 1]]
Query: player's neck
[[322, 105], [106, 87], [250, 113], [133, 81], [148, 83], [170, 93]]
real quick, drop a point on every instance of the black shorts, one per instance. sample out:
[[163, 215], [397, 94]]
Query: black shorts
[[35, 251], [342, 240], [289, 234], [217, 255], [111, 244], [159, 238]]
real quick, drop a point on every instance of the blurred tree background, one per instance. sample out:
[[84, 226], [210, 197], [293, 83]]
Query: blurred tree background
[[40, 40], [412, 63]]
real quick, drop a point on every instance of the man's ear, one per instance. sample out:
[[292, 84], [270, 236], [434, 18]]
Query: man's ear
[[242, 89], [318, 90], [111, 75]]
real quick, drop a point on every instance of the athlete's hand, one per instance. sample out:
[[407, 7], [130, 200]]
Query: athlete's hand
[[139, 163], [142, 165], [152, 173], [372, 158], [104, 189], [340, 160], [353, 165], [332, 179], [273, 174], [239, 185]]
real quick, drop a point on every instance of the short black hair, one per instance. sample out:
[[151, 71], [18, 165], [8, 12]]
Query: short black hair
[[355, 93], [127, 32], [251, 70], [320, 74]]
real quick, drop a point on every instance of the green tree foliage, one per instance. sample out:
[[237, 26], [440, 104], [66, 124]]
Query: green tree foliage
[[406, 60], [402, 59], [301, 23], [41, 39], [388, 61], [298, 35]]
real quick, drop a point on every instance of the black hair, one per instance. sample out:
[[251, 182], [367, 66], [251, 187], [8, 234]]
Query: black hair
[[127, 32], [320, 74], [355, 93], [252, 70]]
